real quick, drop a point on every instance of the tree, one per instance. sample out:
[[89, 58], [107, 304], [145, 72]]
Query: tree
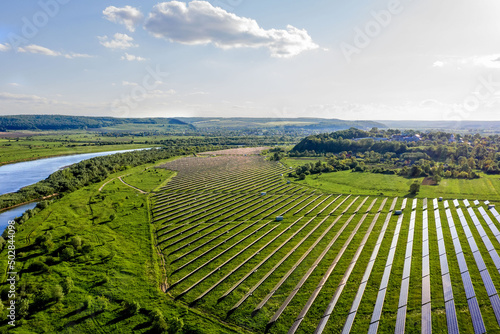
[[415, 188], [436, 178]]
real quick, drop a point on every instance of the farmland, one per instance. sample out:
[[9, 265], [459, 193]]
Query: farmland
[[337, 261]]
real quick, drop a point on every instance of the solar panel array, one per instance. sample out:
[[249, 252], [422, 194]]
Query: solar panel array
[[221, 243]]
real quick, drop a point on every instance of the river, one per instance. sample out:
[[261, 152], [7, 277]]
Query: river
[[15, 176]]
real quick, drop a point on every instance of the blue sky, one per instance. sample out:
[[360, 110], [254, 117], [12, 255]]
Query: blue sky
[[436, 60]]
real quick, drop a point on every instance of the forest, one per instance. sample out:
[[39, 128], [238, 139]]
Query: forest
[[409, 154], [59, 122]]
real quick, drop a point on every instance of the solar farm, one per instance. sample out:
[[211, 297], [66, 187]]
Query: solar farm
[[240, 242]]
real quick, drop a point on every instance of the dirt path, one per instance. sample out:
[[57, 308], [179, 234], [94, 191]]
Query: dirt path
[[100, 189], [125, 183]]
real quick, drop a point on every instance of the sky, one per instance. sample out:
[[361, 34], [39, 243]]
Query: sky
[[355, 60]]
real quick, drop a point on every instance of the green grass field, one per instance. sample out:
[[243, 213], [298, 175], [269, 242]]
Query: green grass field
[[346, 182], [118, 266]]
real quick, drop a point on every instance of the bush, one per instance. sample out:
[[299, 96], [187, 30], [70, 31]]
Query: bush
[[56, 293], [88, 302], [38, 266], [76, 242], [415, 188], [68, 285], [67, 254]]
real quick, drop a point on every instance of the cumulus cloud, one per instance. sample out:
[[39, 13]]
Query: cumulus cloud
[[119, 41], [4, 47], [132, 58], [129, 16], [37, 49], [200, 23]]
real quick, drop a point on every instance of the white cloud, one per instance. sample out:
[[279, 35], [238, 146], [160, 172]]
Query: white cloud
[[488, 61], [199, 23], [14, 84], [119, 41], [4, 47], [37, 49], [128, 83], [23, 98], [129, 16], [132, 58]]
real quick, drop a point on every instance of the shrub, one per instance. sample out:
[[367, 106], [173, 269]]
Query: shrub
[[76, 242], [68, 284], [67, 254]]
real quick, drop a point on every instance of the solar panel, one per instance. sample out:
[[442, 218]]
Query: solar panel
[[348, 323], [481, 231], [451, 317], [390, 257], [486, 202], [359, 296], [444, 264], [466, 203], [487, 243], [439, 234], [426, 289], [488, 283], [475, 313], [476, 202], [373, 328], [473, 245], [425, 204], [494, 230], [401, 321], [394, 243], [377, 310], [495, 258], [403, 297], [454, 233], [455, 203], [375, 252], [426, 319], [447, 288], [467, 232], [495, 304], [425, 266], [446, 205], [403, 204], [461, 262], [407, 268], [479, 261], [425, 248], [458, 246], [368, 271], [469, 289], [385, 279], [409, 248], [441, 246]]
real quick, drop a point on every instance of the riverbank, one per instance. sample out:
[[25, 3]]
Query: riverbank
[[74, 151]]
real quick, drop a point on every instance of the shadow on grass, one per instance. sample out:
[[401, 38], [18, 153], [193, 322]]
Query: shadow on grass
[[122, 316]]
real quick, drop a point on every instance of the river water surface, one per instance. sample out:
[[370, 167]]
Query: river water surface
[[15, 176]]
